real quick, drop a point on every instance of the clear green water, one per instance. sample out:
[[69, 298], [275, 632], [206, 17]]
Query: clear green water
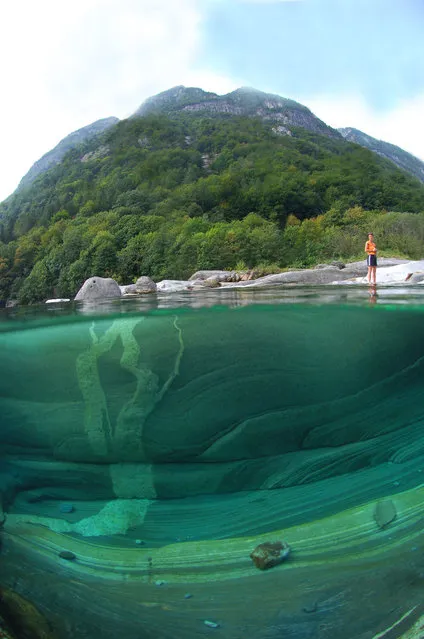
[[216, 417]]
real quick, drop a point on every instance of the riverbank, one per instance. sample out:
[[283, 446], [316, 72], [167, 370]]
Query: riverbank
[[391, 271]]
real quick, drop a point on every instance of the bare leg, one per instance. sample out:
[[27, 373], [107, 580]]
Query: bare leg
[[374, 274], [369, 274]]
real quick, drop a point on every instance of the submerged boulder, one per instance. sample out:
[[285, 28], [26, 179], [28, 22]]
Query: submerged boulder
[[98, 288]]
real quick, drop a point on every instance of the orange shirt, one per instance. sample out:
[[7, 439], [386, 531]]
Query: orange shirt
[[370, 248]]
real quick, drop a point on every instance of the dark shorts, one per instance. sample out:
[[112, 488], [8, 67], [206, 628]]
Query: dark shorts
[[372, 260]]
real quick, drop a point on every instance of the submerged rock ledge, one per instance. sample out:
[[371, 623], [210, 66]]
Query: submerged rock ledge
[[145, 455], [346, 535], [323, 578]]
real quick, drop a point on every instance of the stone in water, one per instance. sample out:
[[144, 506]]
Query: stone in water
[[384, 513], [269, 554]]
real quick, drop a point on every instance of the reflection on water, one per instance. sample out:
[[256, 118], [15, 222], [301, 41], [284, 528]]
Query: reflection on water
[[149, 446], [230, 296], [372, 291]]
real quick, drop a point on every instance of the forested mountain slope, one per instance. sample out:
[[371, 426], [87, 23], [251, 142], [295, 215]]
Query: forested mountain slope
[[167, 194], [401, 158]]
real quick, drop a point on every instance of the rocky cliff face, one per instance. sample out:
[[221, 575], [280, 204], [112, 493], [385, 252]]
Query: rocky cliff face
[[173, 99], [395, 154], [55, 156], [244, 101]]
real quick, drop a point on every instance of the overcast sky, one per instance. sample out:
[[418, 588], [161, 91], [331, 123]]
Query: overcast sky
[[65, 64]]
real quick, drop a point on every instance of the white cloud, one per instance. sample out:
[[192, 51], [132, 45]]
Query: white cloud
[[66, 64], [400, 126]]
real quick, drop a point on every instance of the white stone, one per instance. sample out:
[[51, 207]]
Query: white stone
[[59, 299], [173, 286]]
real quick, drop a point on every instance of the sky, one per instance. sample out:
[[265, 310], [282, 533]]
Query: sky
[[63, 65]]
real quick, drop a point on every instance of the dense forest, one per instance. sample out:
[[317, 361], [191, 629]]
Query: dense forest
[[166, 196]]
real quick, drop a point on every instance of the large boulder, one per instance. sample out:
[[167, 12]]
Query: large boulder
[[98, 288], [145, 285]]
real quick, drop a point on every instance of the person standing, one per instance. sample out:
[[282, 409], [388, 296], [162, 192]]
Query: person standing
[[371, 251]]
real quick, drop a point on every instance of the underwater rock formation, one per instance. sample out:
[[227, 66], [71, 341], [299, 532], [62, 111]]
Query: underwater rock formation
[[180, 441]]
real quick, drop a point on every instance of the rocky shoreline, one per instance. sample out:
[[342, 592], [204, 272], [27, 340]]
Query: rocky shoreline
[[390, 271]]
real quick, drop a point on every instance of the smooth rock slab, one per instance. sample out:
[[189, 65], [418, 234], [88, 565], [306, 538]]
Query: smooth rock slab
[[219, 276]]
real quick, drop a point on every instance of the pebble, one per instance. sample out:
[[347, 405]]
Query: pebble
[[66, 508], [384, 513], [68, 555], [312, 607], [188, 595], [140, 542], [160, 582], [211, 624]]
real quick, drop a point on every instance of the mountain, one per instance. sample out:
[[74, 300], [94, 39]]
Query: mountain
[[395, 154], [56, 155], [194, 182], [245, 101]]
